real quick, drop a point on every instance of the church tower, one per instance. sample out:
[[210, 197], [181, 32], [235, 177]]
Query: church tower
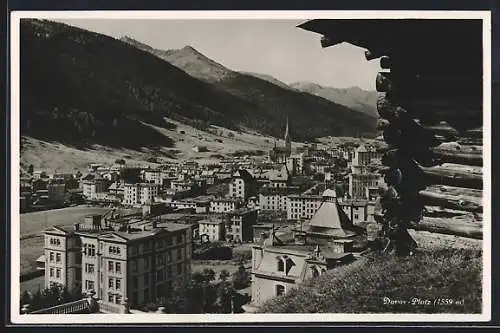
[[288, 141]]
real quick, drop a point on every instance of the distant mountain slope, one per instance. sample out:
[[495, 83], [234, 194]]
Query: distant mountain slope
[[353, 97], [80, 87], [269, 78], [310, 116]]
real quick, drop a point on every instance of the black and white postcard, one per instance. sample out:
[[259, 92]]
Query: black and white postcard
[[250, 166]]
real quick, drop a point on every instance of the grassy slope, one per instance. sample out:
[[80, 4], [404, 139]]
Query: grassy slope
[[52, 156], [361, 287]]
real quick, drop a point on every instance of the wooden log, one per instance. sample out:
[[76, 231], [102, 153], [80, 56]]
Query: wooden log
[[405, 85], [450, 227], [441, 212], [471, 194], [385, 62], [328, 41], [453, 152], [458, 202], [371, 54], [464, 176], [462, 118]]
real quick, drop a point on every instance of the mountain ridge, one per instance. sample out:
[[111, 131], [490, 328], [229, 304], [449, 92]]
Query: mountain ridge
[[353, 97], [274, 101], [81, 88]]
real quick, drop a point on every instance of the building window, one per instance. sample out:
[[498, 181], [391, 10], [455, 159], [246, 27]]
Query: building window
[[280, 290], [179, 254], [133, 265], [110, 266], [51, 256], [89, 285], [58, 273], [146, 279], [159, 275], [134, 249], [110, 283], [281, 265], [136, 282], [89, 268], [118, 299], [118, 267], [51, 272], [110, 298], [179, 269], [146, 263]]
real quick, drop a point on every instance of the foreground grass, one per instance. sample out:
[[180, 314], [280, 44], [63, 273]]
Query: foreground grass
[[362, 287]]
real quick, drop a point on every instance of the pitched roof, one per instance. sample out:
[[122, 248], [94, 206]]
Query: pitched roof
[[242, 173], [331, 220]]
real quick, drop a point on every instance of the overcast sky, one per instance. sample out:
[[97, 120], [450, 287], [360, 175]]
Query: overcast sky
[[274, 47]]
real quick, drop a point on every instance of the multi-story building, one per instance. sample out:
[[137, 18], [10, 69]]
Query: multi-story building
[[239, 225], [273, 198], [153, 176], [285, 259], [213, 229], [359, 210], [302, 206], [57, 191], [279, 178], [139, 193], [181, 185], [361, 177], [224, 205], [92, 188], [63, 258], [142, 264], [242, 185]]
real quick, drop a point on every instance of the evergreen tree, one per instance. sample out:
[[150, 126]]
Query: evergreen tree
[[241, 278]]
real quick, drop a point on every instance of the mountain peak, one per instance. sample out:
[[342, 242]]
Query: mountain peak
[[135, 42], [189, 48]]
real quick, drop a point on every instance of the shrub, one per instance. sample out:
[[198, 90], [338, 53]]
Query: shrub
[[362, 286]]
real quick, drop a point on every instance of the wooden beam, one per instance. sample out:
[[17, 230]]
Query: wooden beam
[[406, 85], [446, 200], [371, 54], [453, 152], [461, 176], [461, 117], [450, 227]]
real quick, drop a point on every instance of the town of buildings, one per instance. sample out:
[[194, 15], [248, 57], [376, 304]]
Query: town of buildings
[[298, 210]]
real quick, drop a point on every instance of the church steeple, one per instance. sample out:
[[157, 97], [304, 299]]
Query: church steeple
[[288, 141]]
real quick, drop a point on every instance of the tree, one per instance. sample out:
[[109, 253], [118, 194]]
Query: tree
[[26, 298], [224, 275], [209, 275], [120, 161], [241, 278]]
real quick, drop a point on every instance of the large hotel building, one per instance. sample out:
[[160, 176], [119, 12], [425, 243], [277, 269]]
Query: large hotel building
[[144, 263]]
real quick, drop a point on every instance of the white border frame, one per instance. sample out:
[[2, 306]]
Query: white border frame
[[17, 318]]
